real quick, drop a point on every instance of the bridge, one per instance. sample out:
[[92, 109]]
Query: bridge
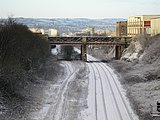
[[119, 42]]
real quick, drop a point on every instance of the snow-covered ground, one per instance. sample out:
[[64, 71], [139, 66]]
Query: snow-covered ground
[[104, 97], [140, 74], [107, 99], [65, 98], [86, 91]]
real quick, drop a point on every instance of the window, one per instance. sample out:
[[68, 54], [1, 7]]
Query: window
[[147, 23]]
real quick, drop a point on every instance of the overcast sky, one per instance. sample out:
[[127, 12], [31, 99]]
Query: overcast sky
[[78, 8]]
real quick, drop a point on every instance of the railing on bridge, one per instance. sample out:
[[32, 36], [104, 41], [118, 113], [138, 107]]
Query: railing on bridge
[[92, 40], [89, 39]]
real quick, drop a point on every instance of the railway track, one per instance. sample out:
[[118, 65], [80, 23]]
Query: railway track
[[109, 101], [94, 80], [106, 99], [61, 102], [56, 111], [104, 67]]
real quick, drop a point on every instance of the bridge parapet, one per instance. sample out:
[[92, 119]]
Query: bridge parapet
[[65, 39], [92, 40], [89, 39]]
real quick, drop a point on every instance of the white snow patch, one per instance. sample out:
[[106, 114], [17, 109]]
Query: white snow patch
[[56, 50], [133, 52]]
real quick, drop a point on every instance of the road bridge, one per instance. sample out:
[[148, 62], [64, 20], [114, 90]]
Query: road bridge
[[119, 42]]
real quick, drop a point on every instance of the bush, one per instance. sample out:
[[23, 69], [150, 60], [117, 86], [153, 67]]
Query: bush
[[152, 52], [21, 54]]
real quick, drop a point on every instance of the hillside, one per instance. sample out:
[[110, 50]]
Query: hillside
[[65, 25], [140, 74]]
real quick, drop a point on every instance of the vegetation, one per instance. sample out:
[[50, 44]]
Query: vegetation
[[140, 74], [21, 54], [67, 52]]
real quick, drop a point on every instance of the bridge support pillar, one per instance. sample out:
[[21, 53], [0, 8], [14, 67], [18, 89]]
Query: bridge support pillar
[[118, 52], [126, 43], [84, 50]]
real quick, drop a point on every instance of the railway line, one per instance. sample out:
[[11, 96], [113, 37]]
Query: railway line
[[61, 102], [115, 87], [106, 99], [57, 109], [110, 102]]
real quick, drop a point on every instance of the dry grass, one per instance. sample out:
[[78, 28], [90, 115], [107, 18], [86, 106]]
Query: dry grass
[[141, 77]]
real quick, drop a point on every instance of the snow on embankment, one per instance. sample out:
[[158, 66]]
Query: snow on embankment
[[135, 50], [143, 49], [140, 71], [144, 52]]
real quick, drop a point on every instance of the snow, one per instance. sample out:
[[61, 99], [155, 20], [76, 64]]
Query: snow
[[59, 111], [56, 50], [141, 77], [133, 52], [66, 96], [87, 91], [120, 109], [112, 113], [141, 93]]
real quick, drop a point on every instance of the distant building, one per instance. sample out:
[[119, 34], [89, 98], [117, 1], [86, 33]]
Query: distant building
[[100, 33], [121, 28], [90, 31], [87, 32], [140, 25], [155, 26], [37, 30], [112, 33], [82, 34], [52, 32]]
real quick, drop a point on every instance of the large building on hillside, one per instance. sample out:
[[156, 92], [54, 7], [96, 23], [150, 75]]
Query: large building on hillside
[[140, 25], [155, 26], [121, 28], [52, 32]]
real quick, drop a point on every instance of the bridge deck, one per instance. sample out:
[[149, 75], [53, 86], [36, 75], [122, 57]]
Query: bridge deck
[[89, 40], [88, 43]]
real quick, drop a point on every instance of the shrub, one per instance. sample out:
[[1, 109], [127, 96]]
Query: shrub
[[152, 52], [21, 53]]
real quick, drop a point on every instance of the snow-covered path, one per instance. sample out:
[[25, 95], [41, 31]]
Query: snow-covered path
[[106, 99]]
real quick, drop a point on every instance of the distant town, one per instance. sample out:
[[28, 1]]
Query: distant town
[[71, 27], [134, 25]]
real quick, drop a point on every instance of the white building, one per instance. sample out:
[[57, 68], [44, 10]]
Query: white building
[[37, 30], [90, 31], [52, 32], [140, 25], [155, 26]]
